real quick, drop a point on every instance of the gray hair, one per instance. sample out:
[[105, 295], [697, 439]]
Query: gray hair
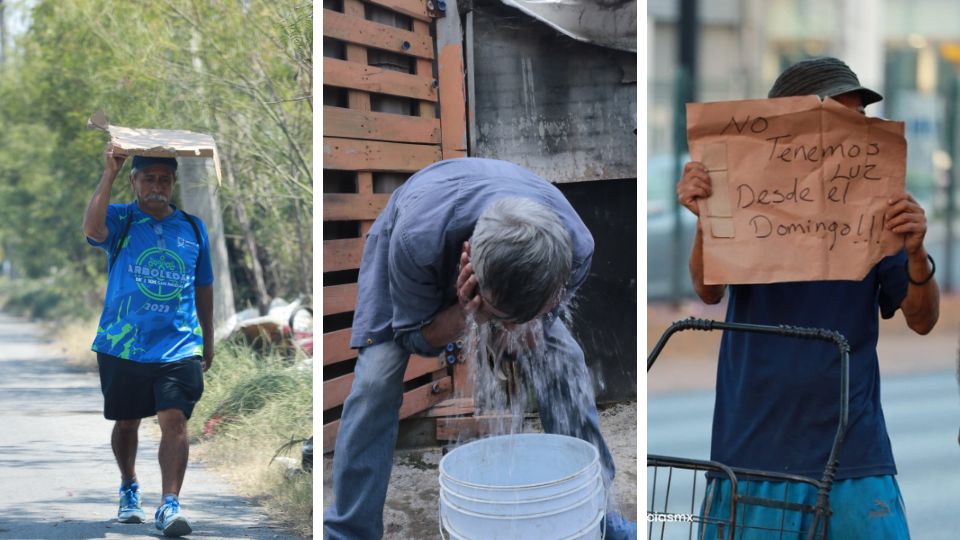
[[522, 255]]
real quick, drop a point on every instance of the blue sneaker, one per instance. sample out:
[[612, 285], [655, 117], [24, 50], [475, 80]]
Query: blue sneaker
[[130, 510], [618, 528], [169, 519]]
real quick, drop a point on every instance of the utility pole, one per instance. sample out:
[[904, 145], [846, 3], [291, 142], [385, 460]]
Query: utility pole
[[3, 34], [951, 210], [685, 92]]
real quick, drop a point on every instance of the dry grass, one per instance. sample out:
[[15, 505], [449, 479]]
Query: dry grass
[[73, 340], [260, 402]]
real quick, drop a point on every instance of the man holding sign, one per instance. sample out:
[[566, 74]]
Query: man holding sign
[[826, 188]]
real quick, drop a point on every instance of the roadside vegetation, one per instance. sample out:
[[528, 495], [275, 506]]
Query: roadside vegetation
[[240, 71]]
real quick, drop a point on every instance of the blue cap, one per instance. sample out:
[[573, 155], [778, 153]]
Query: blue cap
[[142, 162]]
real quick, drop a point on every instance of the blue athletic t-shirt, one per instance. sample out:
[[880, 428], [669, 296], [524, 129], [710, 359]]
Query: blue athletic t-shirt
[[778, 398], [150, 313]]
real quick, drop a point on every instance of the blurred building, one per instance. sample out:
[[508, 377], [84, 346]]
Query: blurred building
[[907, 50]]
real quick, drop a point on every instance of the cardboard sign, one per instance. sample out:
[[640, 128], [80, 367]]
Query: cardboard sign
[[157, 142], [800, 189]]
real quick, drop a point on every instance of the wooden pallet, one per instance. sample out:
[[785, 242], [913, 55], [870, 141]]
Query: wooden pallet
[[359, 142]]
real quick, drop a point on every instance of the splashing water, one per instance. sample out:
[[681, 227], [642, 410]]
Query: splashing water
[[533, 363], [505, 364]]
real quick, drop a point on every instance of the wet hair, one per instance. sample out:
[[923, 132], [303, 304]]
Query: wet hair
[[522, 256]]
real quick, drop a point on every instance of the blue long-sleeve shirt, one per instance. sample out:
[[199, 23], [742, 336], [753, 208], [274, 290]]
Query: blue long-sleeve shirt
[[411, 256]]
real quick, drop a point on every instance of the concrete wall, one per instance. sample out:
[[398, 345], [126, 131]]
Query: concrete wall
[[564, 109], [567, 110]]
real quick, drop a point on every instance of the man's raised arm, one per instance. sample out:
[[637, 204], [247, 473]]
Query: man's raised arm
[[95, 216]]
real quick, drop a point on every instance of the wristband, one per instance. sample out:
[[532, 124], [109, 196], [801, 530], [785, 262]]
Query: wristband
[[933, 270]]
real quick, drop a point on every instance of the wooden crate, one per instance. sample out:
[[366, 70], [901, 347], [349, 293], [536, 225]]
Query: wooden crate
[[359, 142]]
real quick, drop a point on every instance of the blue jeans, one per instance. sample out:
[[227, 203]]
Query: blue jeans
[[363, 455]]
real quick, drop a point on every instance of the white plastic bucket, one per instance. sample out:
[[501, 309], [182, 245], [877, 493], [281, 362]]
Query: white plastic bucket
[[542, 486]]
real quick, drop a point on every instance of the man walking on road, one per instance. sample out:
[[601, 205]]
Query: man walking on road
[[155, 337]]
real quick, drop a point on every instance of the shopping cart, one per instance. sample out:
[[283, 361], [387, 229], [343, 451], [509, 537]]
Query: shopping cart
[[697, 519]]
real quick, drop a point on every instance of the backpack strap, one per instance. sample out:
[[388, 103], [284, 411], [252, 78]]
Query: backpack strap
[[119, 242], [196, 231]]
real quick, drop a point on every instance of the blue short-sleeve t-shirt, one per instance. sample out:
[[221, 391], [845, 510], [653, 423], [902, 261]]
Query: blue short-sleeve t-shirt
[[778, 398], [150, 313]]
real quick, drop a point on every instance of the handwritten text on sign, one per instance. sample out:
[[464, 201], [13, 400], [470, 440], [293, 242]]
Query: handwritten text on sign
[[800, 188]]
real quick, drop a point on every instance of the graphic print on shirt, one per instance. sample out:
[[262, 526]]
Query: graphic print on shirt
[[160, 274], [127, 333]]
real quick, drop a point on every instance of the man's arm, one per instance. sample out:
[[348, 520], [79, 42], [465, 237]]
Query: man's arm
[[693, 186], [204, 302], [95, 216], [450, 323], [921, 305], [709, 294]]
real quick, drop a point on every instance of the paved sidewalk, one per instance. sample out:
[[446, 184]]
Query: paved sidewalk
[[58, 478]]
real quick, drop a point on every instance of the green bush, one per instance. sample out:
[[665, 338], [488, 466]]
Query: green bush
[[55, 298]]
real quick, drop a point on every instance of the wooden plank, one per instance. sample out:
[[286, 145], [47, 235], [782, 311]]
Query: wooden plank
[[372, 34], [365, 185], [462, 383], [356, 76], [425, 69], [353, 206], [336, 390], [344, 254], [450, 407], [471, 427], [412, 8], [424, 397], [339, 298], [340, 122], [336, 347], [358, 101], [453, 113], [330, 436], [421, 365], [358, 155]]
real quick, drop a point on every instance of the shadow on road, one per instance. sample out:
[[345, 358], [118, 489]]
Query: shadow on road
[[34, 523]]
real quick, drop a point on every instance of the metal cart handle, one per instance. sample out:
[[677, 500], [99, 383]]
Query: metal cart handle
[[830, 336]]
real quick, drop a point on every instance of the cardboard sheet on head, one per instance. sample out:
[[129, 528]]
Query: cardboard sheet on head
[[158, 142], [800, 189]]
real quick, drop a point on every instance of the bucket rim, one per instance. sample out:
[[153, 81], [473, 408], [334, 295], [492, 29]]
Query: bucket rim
[[587, 485], [585, 472], [585, 500], [594, 461]]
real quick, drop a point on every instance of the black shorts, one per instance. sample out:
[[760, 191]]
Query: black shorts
[[134, 390]]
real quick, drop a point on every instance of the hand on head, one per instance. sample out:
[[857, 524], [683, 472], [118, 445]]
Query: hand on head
[[694, 185], [113, 161], [905, 216], [468, 289]]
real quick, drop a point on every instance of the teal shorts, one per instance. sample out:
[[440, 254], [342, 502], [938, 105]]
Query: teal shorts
[[869, 508]]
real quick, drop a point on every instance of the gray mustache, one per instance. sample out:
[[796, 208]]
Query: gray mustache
[[155, 197]]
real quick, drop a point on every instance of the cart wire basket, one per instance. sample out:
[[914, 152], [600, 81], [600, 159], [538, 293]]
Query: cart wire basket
[[682, 493]]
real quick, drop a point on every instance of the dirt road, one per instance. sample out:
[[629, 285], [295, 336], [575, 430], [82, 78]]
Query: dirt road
[[58, 478]]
